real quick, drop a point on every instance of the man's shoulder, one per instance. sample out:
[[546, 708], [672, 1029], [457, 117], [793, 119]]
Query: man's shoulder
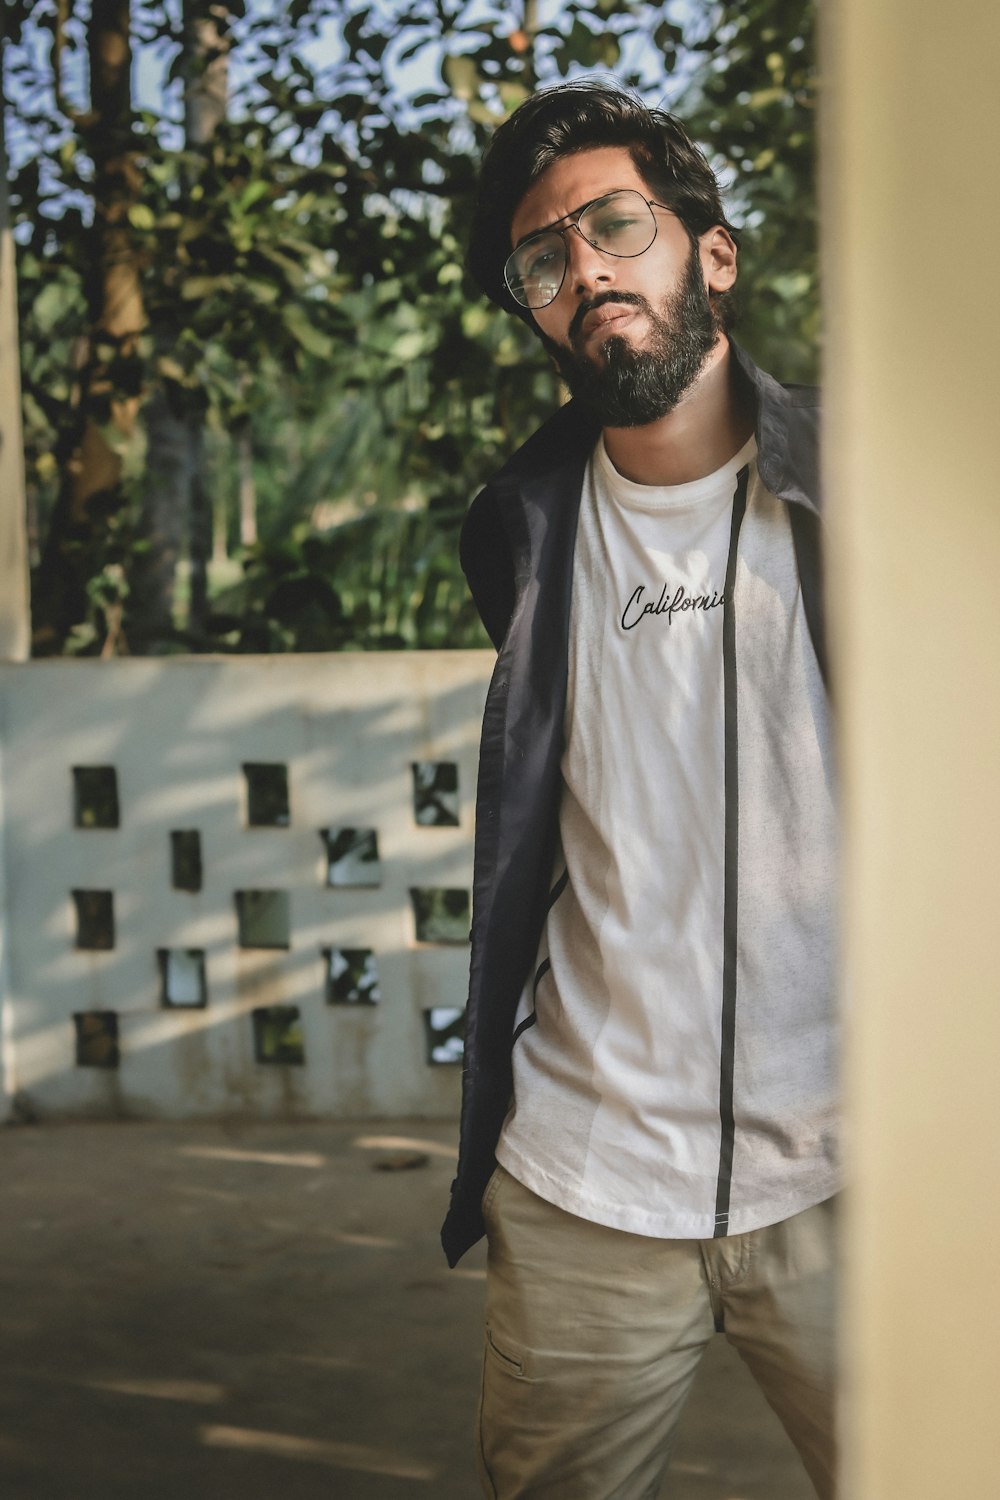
[[767, 389], [566, 436], [562, 443], [788, 431], [802, 395], [544, 469]]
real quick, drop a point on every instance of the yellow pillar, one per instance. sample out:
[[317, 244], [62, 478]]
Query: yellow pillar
[[15, 634], [912, 233]]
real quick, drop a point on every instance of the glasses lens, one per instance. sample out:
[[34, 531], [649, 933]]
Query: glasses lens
[[534, 272], [620, 224]]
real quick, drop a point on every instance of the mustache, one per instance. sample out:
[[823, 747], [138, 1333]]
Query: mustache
[[630, 299]]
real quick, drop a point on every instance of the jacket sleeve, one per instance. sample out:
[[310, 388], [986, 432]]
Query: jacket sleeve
[[484, 551]]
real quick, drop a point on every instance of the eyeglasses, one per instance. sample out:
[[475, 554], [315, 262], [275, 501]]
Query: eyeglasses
[[621, 224]]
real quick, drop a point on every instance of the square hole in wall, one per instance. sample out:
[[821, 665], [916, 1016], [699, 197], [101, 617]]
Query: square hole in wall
[[96, 1039], [444, 1031], [351, 977], [435, 793], [185, 859], [95, 797], [182, 977], [440, 914], [351, 856], [95, 919], [264, 919], [267, 794], [277, 1035]]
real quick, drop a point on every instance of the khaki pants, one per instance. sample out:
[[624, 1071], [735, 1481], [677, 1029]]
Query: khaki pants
[[593, 1337]]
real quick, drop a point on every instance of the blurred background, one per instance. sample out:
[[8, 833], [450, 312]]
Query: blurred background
[[256, 395], [258, 391]]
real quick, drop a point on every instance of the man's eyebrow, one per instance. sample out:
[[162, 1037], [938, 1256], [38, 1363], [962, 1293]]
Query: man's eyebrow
[[544, 228]]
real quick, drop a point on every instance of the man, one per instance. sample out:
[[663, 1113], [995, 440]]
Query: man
[[648, 1121]]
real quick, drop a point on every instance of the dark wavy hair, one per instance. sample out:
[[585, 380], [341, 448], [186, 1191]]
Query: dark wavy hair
[[576, 117]]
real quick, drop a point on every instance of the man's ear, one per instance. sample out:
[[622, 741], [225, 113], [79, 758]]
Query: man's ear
[[718, 258]]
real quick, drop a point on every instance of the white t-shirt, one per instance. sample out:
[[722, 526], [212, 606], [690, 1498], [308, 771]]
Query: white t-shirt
[[623, 1046]]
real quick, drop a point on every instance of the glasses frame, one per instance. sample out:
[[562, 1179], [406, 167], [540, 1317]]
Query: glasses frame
[[574, 223]]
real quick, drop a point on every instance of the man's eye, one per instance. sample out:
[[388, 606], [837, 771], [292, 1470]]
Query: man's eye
[[614, 225], [540, 263]]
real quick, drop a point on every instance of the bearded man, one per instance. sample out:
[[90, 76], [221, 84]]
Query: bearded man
[[649, 1119]]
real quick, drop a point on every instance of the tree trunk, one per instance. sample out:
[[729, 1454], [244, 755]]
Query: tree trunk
[[247, 487], [160, 527], [206, 75], [107, 436], [200, 535], [206, 78], [177, 506]]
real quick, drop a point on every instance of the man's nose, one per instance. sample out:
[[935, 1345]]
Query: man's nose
[[587, 266]]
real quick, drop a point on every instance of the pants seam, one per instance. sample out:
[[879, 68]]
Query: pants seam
[[482, 1447]]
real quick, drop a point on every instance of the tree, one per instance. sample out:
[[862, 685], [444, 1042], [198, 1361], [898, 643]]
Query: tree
[[752, 103], [175, 508], [301, 275], [102, 438]]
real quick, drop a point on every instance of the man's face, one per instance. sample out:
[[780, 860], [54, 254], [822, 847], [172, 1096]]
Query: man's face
[[630, 335]]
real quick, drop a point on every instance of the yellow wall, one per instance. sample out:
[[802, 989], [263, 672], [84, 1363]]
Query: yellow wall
[[912, 236]]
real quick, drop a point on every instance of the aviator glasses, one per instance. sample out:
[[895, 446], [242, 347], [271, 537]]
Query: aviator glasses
[[621, 224]]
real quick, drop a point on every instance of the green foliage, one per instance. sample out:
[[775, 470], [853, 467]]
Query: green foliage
[[303, 282], [753, 107], [396, 587]]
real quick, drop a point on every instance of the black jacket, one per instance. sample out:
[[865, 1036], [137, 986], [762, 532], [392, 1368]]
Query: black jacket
[[517, 553]]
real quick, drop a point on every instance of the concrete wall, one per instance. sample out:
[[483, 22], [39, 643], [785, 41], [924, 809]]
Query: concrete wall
[[177, 733], [912, 224]]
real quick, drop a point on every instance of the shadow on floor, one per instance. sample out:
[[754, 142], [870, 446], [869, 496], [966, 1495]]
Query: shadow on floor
[[211, 1312]]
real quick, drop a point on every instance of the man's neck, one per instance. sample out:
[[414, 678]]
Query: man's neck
[[703, 432]]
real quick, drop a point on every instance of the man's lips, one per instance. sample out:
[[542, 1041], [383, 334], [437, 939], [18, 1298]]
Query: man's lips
[[597, 317]]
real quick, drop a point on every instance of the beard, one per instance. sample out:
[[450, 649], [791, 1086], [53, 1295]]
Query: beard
[[626, 386]]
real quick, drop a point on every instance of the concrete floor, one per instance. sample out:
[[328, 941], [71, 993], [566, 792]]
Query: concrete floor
[[220, 1312]]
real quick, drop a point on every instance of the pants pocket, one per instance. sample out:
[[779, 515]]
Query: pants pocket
[[491, 1189], [508, 1359]]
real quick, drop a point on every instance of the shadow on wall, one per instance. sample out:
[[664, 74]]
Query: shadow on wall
[[240, 886]]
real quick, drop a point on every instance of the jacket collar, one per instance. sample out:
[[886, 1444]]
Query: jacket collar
[[787, 452], [784, 426]]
